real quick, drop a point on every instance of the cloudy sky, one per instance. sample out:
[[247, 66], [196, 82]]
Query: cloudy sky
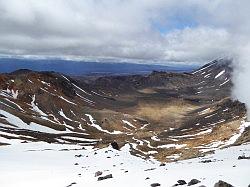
[[190, 31]]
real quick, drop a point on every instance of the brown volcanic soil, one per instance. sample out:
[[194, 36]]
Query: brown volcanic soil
[[166, 115]]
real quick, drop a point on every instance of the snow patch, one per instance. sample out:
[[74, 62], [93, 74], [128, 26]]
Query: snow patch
[[219, 74], [63, 115], [35, 107], [242, 128], [128, 123], [225, 82], [66, 100], [98, 127]]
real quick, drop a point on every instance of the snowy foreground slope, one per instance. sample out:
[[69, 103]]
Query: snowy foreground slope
[[43, 164]]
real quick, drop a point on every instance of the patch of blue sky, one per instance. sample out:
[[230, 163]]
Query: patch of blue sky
[[176, 22]]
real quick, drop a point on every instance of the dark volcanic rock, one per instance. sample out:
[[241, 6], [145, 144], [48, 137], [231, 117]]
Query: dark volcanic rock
[[105, 177], [162, 164], [243, 157], [181, 182], [222, 184], [71, 184], [206, 161], [193, 182], [115, 145], [98, 173], [78, 155], [155, 184], [150, 169]]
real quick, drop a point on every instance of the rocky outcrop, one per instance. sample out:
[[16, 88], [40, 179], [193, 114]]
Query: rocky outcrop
[[221, 183], [155, 184], [193, 182], [109, 176]]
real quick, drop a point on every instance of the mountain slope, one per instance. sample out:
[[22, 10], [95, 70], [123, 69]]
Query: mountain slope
[[169, 116]]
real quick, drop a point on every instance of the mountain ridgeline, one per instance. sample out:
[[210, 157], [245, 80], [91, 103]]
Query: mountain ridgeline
[[80, 68], [167, 115]]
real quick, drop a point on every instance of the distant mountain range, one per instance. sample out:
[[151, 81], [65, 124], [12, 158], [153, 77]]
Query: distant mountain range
[[85, 68]]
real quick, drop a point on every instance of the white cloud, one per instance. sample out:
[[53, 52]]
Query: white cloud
[[122, 29], [197, 44]]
